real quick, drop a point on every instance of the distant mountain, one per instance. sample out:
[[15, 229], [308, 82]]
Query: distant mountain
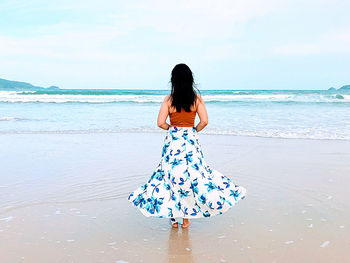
[[18, 85], [346, 87]]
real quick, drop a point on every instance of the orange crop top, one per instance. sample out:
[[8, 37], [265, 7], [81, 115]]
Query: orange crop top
[[183, 118]]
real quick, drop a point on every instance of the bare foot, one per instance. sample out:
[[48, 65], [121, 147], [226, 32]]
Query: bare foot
[[186, 223], [173, 222]]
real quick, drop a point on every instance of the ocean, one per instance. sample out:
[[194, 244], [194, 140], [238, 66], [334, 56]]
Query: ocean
[[313, 114]]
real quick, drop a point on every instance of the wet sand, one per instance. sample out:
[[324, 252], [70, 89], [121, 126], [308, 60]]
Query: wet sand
[[64, 199]]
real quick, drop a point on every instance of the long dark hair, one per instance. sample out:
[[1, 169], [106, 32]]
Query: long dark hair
[[182, 93]]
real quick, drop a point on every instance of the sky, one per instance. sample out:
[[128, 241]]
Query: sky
[[228, 44]]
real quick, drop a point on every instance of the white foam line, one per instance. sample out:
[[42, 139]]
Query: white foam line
[[7, 118], [61, 98], [6, 218], [324, 244]]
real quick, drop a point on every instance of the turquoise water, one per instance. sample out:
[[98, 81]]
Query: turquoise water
[[312, 114]]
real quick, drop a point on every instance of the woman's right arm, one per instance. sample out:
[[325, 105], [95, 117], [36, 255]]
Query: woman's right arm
[[202, 113]]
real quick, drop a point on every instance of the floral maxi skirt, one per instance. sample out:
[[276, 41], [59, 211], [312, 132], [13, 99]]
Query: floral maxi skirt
[[183, 185]]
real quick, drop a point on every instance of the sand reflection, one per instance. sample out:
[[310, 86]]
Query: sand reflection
[[180, 247]]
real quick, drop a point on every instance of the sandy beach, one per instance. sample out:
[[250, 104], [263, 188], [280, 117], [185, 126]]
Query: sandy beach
[[64, 199]]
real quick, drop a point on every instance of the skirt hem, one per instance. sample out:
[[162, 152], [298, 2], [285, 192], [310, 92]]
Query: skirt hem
[[147, 214]]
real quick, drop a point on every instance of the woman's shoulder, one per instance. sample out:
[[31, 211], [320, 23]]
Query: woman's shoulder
[[199, 100], [167, 100]]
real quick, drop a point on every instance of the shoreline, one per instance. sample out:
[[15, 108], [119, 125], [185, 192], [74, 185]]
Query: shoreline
[[85, 132]]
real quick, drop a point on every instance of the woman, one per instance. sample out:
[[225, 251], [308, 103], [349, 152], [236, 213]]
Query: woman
[[183, 185]]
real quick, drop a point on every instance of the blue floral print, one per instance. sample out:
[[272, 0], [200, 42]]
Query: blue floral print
[[183, 185]]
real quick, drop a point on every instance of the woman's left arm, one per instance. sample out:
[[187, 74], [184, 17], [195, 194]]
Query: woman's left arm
[[163, 114]]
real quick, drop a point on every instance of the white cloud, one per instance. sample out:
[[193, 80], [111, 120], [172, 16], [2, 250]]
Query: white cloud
[[158, 33], [206, 24], [336, 42], [192, 22]]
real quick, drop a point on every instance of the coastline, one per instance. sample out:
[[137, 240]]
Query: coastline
[[64, 199], [101, 131]]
